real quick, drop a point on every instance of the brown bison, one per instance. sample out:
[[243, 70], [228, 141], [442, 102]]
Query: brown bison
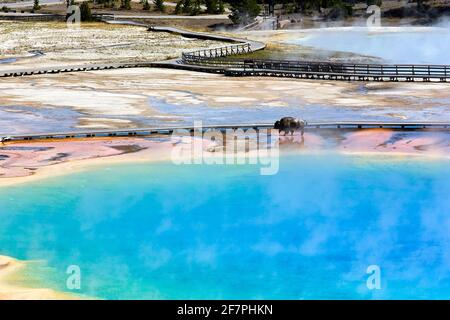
[[290, 124]]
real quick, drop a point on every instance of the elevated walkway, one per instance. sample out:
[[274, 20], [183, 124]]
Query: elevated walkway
[[146, 132]]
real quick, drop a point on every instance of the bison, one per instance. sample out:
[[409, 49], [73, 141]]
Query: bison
[[290, 124]]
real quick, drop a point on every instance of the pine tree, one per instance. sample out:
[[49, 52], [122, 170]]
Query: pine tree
[[211, 6], [244, 11], [221, 7], [125, 4], [85, 12], [196, 8], [187, 6], [420, 5], [160, 5], [36, 5], [179, 7], [146, 5]]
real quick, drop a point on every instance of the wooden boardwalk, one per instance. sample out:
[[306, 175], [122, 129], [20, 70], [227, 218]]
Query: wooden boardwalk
[[220, 60], [213, 62], [241, 47], [72, 68], [335, 76], [147, 132], [346, 72]]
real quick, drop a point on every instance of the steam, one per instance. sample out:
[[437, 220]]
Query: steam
[[443, 22], [414, 45], [351, 40]]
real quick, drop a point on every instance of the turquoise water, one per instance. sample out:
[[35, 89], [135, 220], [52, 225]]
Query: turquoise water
[[166, 231]]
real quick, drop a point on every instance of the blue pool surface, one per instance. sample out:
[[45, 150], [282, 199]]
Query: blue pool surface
[[158, 230], [393, 45]]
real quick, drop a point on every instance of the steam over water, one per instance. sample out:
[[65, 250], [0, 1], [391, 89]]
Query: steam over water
[[399, 45], [310, 231]]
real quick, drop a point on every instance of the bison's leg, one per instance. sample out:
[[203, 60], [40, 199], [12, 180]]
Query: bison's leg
[[303, 131]]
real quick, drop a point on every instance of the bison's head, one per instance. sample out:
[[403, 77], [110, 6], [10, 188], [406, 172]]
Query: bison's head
[[300, 123], [303, 123], [277, 125]]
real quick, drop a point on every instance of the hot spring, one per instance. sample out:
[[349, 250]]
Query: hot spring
[[398, 45], [158, 230]]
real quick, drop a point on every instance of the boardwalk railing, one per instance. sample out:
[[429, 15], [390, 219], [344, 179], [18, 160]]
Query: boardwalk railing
[[339, 125], [435, 71], [210, 56], [72, 68], [347, 71]]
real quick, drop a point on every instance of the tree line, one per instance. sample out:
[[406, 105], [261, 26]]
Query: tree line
[[241, 11]]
